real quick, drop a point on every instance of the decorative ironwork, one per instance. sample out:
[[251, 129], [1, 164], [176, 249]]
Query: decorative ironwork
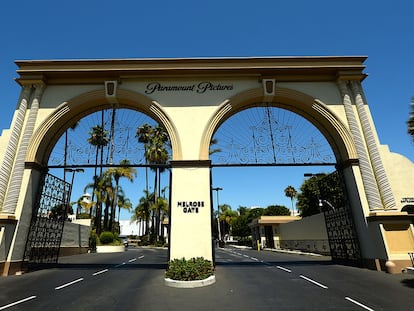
[[120, 125], [343, 240], [269, 135], [342, 237], [48, 218]]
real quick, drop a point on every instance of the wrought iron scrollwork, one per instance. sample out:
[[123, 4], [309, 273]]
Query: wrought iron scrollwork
[[342, 236], [270, 135], [48, 218]]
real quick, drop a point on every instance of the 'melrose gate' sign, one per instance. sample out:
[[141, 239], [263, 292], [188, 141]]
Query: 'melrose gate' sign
[[190, 206]]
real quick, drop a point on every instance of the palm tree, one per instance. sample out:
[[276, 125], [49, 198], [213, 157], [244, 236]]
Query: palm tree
[[123, 171], [144, 136], [291, 193], [227, 215], [214, 142], [98, 138], [123, 202], [155, 141], [143, 209], [103, 190]]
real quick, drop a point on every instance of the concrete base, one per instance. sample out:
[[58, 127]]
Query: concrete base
[[110, 248], [190, 284]]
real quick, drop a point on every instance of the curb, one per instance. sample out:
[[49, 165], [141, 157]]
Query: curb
[[190, 284]]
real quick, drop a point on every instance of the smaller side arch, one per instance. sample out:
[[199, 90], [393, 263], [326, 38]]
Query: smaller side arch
[[312, 109], [68, 113]]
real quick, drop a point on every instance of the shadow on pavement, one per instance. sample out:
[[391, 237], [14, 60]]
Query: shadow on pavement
[[408, 282]]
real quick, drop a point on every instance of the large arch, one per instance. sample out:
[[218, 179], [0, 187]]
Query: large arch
[[73, 110], [191, 98], [308, 107]]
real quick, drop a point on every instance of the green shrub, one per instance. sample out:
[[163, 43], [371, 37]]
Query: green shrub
[[106, 237], [189, 270]]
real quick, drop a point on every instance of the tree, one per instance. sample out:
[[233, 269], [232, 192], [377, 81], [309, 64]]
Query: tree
[[276, 210], [308, 198], [155, 141], [291, 193], [227, 216], [212, 150], [410, 122], [240, 226], [98, 138], [320, 193], [143, 210], [123, 171], [123, 202], [143, 135]]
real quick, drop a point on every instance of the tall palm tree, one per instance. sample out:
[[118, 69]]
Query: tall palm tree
[[291, 193], [123, 171], [98, 138], [143, 210], [144, 136], [123, 202], [155, 141], [103, 190]]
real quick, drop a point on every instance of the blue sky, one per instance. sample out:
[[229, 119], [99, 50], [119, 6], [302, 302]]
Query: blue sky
[[90, 29]]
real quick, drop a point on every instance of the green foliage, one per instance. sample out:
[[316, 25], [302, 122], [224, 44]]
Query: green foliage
[[189, 270], [254, 213], [106, 237], [276, 210], [322, 187], [58, 211], [240, 226]]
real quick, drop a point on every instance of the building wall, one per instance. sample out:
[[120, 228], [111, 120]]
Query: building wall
[[75, 239], [308, 234]]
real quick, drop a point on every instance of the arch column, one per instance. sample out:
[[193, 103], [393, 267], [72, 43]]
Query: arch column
[[10, 154], [367, 174], [13, 190], [191, 210], [375, 157]]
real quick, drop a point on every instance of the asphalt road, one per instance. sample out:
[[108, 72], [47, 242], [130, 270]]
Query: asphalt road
[[245, 280]]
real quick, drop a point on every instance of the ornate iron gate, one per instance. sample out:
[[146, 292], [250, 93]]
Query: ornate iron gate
[[343, 240], [48, 218]]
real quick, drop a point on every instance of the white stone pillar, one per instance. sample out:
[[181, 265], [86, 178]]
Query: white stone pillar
[[191, 215], [13, 190], [367, 174], [10, 154], [373, 151]]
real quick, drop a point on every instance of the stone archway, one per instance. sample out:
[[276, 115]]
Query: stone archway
[[73, 110], [191, 97]]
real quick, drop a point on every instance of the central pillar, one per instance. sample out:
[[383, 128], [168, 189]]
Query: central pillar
[[190, 216]]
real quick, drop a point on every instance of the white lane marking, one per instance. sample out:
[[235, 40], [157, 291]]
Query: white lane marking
[[117, 266], [17, 302], [99, 272], [68, 284], [245, 256], [312, 281], [359, 304], [254, 258], [284, 269], [140, 257], [132, 260]]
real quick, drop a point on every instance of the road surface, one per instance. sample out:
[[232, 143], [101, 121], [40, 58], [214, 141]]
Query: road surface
[[245, 280]]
